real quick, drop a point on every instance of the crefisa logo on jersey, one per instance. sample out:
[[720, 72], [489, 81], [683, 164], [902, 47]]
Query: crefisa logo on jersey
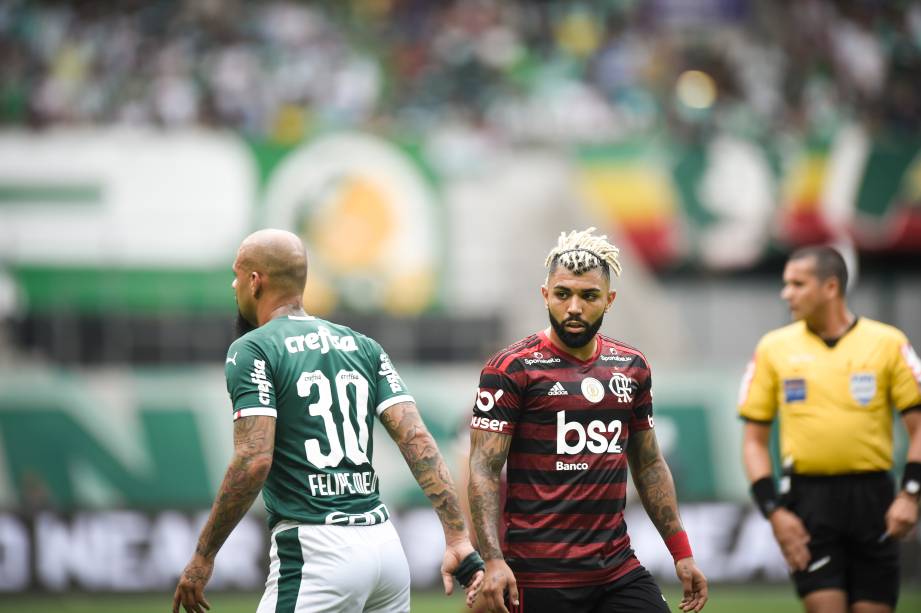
[[622, 387], [390, 373], [258, 377], [322, 339]]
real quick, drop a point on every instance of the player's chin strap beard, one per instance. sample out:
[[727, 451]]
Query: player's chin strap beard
[[575, 340], [242, 325]]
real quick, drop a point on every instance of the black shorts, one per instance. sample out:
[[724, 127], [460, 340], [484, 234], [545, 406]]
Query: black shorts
[[846, 518], [635, 592]]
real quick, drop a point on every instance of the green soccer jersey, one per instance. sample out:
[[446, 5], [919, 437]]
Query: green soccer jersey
[[324, 383]]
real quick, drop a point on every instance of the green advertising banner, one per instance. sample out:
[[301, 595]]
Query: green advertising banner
[[160, 439]]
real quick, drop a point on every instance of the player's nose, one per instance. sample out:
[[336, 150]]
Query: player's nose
[[574, 305]]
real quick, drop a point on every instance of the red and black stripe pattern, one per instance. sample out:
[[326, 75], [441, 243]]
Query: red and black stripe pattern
[[567, 466]]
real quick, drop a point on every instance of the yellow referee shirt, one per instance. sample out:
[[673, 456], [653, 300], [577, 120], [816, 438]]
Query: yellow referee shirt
[[835, 402]]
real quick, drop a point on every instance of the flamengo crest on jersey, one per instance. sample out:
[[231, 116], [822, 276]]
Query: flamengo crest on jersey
[[622, 387]]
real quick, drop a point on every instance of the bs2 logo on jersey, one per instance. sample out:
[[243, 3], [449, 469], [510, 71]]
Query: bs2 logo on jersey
[[593, 436], [485, 400]]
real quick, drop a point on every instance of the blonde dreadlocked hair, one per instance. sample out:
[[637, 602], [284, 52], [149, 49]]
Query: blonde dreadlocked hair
[[581, 251]]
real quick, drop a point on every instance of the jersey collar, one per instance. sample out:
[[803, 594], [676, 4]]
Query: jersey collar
[[545, 340], [832, 343]]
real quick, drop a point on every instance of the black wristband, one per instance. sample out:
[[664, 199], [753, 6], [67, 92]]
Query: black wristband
[[911, 479], [469, 567], [765, 494]]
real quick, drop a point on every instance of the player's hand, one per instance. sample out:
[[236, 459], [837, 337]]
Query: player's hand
[[693, 583], [901, 516], [473, 588], [499, 582], [455, 552], [190, 593], [792, 537]]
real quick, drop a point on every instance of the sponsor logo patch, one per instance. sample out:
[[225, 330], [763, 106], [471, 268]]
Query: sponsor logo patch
[[541, 360], [484, 423], [486, 400], [257, 376], [387, 371], [794, 390], [616, 358], [572, 466], [592, 389], [557, 390], [572, 437], [323, 339], [863, 387]]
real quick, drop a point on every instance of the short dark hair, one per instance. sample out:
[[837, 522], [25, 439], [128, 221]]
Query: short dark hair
[[828, 263]]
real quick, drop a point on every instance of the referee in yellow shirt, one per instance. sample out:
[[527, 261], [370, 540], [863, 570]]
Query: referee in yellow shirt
[[834, 379]]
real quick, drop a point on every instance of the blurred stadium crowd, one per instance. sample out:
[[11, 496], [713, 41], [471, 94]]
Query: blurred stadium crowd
[[519, 71]]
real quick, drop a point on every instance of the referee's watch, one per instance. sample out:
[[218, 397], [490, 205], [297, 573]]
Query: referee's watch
[[911, 479]]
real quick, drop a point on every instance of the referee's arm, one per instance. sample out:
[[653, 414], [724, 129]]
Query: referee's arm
[[756, 436], [789, 531], [903, 512]]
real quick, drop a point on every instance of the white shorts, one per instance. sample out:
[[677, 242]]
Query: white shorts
[[327, 569]]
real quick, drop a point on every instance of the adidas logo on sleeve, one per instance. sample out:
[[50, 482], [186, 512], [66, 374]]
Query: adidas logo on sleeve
[[557, 390]]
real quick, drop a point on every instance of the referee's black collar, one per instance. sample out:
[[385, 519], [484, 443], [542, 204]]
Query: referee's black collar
[[831, 342]]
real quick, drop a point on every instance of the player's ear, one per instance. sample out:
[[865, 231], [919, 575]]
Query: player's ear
[[546, 294], [611, 296], [255, 283]]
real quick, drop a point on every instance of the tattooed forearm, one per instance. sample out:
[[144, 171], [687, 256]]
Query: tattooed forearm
[[488, 452], [254, 441], [654, 482], [420, 451]]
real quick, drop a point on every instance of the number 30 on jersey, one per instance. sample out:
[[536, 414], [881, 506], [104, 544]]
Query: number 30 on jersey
[[356, 444]]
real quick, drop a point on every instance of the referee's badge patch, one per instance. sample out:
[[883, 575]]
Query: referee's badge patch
[[794, 390], [863, 387]]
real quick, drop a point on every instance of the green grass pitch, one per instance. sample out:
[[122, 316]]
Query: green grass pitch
[[723, 599]]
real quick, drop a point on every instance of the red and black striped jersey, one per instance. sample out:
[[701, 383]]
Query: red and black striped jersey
[[570, 422]]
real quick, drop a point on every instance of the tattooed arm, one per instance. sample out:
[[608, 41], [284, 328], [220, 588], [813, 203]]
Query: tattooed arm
[[488, 452], [405, 426], [254, 443], [656, 488], [653, 482]]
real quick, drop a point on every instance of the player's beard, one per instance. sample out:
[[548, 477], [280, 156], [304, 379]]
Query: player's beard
[[242, 326], [575, 340]]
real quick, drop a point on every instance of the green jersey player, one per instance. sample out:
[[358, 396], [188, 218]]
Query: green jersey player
[[305, 396]]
